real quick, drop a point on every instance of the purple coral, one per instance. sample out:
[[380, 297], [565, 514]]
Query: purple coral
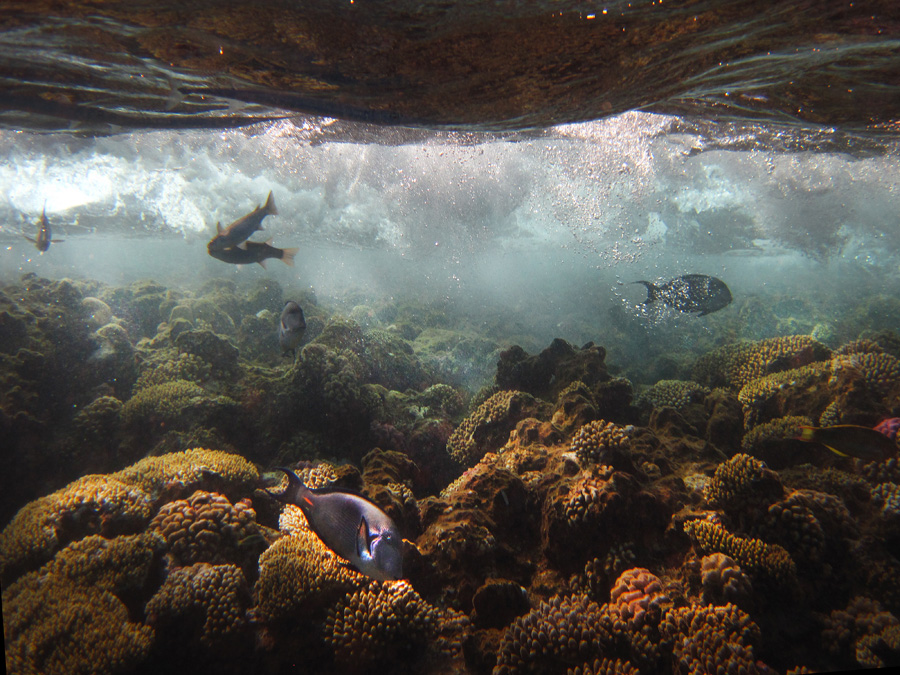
[[889, 427]]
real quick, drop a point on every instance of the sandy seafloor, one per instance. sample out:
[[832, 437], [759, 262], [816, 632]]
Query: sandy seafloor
[[584, 484]]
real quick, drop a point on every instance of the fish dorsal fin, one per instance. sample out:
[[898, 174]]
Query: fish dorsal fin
[[219, 229], [363, 540]]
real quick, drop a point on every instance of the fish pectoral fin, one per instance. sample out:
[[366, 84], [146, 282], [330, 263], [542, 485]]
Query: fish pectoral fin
[[33, 241], [836, 451], [219, 227], [363, 540]]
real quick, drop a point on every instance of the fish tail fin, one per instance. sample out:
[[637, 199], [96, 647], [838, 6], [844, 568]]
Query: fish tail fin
[[651, 291], [270, 207], [287, 256], [296, 491]]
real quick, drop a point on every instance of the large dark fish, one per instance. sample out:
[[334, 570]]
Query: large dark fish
[[851, 440], [690, 293], [241, 229], [292, 327], [44, 235], [254, 252], [350, 525]]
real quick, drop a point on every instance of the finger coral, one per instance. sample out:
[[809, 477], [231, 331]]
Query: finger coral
[[489, 426], [599, 441], [743, 485], [863, 634], [724, 581], [753, 555], [206, 602], [673, 394], [712, 639]]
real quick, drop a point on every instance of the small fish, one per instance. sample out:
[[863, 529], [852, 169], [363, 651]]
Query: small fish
[[292, 327], [241, 229], [851, 440], [44, 235], [350, 525], [254, 252], [690, 293]]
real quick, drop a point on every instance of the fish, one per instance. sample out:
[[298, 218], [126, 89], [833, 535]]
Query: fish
[[291, 328], [241, 229], [350, 525], [44, 235], [851, 440], [690, 293], [255, 252]]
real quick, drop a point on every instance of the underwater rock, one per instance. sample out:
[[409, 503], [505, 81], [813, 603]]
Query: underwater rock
[[97, 312], [216, 351], [555, 368], [498, 602], [574, 408]]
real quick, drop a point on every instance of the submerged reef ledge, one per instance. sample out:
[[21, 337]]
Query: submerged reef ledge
[[562, 519]]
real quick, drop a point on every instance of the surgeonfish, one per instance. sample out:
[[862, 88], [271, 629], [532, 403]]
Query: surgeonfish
[[292, 327], [241, 229], [690, 293], [254, 252], [350, 525], [44, 235], [851, 440]]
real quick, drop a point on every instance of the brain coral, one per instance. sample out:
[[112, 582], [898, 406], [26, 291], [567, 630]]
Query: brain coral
[[636, 592], [208, 602], [490, 424], [378, 623], [205, 527], [735, 366], [598, 440]]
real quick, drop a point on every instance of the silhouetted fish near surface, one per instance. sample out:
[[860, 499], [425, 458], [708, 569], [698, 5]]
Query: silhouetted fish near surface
[[254, 252], [44, 235], [851, 440], [350, 525], [690, 293], [241, 229], [292, 327]]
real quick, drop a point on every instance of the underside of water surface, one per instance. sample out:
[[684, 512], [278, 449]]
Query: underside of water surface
[[601, 306]]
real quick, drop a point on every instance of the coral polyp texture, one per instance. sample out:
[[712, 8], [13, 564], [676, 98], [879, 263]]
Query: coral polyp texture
[[598, 440], [551, 523], [735, 366], [489, 424]]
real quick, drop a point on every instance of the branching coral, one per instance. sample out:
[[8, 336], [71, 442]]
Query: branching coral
[[378, 623], [783, 393], [724, 581], [673, 394], [208, 602], [735, 366], [489, 424], [792, 524], [598, 441], [205, 527], [880, 371], [743, 484], [183, 367], [753, 555], [66, 617], [712, 639], [863, 634]]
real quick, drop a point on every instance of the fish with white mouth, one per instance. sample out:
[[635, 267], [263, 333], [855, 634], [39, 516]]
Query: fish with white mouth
[[350, 525]]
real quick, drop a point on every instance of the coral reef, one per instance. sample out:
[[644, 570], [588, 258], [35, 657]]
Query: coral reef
[[672, 393], [489, 425]]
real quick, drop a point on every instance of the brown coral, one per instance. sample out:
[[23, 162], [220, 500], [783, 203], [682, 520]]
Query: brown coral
[[673, 394], [205, 527], [712, 639], [489, 426], [635, 593], [863, 634], [601, 442], [743, 485], [791, 523], [208, 602], [377, 623], [753, 555], [298, 572], [735, 366], [789, 392], [724, 581], [880, 371]]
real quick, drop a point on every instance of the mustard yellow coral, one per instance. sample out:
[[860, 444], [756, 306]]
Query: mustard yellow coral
[[743, 483], [91, 504], [673, 393], [164, 402], [215, 594], [298, 573], [595, 441], [502, 409], [734, 366], [757, 396]]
